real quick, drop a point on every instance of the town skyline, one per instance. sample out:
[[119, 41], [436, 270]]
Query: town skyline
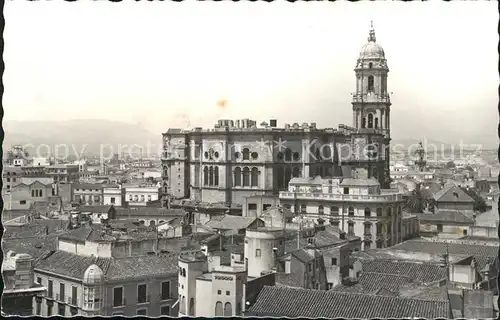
[[312, 70]]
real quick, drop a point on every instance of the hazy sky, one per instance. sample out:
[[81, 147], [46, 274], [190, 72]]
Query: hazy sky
[[166, 64]]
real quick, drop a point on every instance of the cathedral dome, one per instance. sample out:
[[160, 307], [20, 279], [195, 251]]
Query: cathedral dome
[[93, 275], [372, 50]]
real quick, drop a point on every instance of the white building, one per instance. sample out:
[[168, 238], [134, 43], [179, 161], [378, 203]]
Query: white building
[[139, 196], [358, 206], [82, 165], [40, 162], [114, 196]]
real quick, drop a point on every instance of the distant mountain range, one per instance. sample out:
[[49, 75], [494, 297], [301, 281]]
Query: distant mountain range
[[89, 136]]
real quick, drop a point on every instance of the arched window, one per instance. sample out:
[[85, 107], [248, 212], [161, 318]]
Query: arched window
[[152, 223], [228, 309], [183, 272], [237, 176], [211, 176], [376, 123], [334, 211], [370, 65], [246, 177], [288, 155], [216, 176], [191, 307], [351, 211], [370, 83], [368, 212], [246, 154], [218, 309], [370, 121], [32, 193], [205, 176], [389, 212], [321, 209], [363, 123], [255, 177], [379, 212], [288, 175], [296, 172], [280, 172]]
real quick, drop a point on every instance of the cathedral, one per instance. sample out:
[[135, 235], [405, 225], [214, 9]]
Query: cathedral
[[238, 159]]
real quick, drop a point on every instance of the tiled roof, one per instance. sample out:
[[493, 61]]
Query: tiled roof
[[309, 181], [419, 271], [374, 282], [287, 280], [478, 304], [229, 222], [72, 265], [99, 233], [149, 211], [305, 255], [95, 209], [292, 302], [87, 186], [36, 247], [448, 194], [40, 228], [359, 182], [445, 216], [480, 252]]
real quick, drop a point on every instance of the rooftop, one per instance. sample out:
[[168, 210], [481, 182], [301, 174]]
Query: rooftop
[[295, 302], [445, 216], [74, 266], [229, 222], [452, 193]]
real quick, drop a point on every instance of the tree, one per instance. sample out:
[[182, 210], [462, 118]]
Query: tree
[[479, 202], [419, 200], [450, 165]]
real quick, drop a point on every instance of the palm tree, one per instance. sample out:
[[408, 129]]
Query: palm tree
[[419, 200]]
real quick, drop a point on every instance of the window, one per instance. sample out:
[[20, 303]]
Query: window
[[118, 297], [351, 212], [228, 293], [165, 311], [38, 307], [252, 206], [367, 212], [165, 290], [219, 292], [142, 312], [50, 305], [246, 177], [205, 176], [255, 177], [39, 280], [334, 211], [379, 228], [255, 155], [367, 229], [303, 208], [265, 207], [61, 292], [73, 295], [216, 176], [350, 230], [257, 252], [379, 212], [237, 177], [280, 156], [288, 155], [310, 266], [346, 190], [61, 309], [439, 228], [32, 193], [321, 209], [379, 245], [370, 83], [246, 154], [113, 200], [334, 261], [50, 291], [370, 65], [296, 172], [370, 121]]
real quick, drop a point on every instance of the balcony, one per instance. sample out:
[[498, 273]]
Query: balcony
[[340, 197]]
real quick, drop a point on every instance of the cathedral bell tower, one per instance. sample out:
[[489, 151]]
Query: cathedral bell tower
[[371, 101]]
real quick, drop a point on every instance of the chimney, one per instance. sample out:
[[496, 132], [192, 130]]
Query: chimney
[[273, 123], [24, 271]]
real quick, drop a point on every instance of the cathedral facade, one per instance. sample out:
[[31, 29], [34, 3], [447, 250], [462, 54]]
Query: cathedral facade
[[238, 159]]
